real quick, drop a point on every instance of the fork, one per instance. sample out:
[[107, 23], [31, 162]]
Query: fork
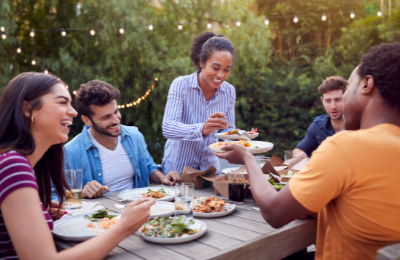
[[229, 124]]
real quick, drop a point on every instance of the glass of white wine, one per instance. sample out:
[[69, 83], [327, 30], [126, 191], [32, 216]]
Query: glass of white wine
[[73, 197]]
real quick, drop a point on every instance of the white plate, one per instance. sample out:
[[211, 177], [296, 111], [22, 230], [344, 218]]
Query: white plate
[[178, 240], [262, 147], [137, 193], [228, 209], [75, 228], [233, 137], [159, 209]]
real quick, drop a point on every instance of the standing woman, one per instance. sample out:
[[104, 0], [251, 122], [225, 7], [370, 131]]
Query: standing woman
[[35, 111], [198, 105]]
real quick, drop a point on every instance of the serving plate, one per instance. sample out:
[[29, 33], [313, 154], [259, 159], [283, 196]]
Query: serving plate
[[227, 209], [178, 240], [137, 193], [75, 228], [233, 137], [256, 147]]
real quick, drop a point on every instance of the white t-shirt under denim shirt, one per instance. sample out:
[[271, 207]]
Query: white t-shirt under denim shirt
[[118, 172]]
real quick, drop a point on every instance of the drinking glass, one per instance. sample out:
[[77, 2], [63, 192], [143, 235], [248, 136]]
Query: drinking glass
[[183, 199], [261, 159], [288, 155], [236, 187], [73, 197]]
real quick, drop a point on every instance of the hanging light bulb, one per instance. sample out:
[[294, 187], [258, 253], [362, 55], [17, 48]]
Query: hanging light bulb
[[92, 32], [266, 22], [295, 19], [33, 62], [379, 13], [2, 28], [134, 103], [4, 35], [19, 50], [32, 33], [74, 92], [180, 26], [121, 30], [46, 71], [352, 15], [209, 25], [66, 86], [151, 27], [323, 18], [63, 33], [238, 23]]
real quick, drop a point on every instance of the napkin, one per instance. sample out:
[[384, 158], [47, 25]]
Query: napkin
[[87, 207]]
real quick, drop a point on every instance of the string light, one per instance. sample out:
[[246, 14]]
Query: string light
[[151, 27], [92, 32], [74, 92], [66, 86], [46, 71], [32, 33], [4, 35], [352, 15], [134, 103], [379, 13], [323, 18], [295, 19], [180, 26], [209, 25], [63, 33], [238, 23], [33, 62], [19, 50], [2, 28], [266, 22], [121, 30]]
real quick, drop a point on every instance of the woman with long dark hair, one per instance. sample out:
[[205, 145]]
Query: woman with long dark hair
[[35, 111], [198, 105]]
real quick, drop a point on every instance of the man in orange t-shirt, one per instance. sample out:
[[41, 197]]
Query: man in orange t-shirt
[[353, 178]]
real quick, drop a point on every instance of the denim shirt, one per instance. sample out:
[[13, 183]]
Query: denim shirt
[[81, 153], [317, 132]]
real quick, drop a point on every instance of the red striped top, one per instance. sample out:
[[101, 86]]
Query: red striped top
[[15, 173]]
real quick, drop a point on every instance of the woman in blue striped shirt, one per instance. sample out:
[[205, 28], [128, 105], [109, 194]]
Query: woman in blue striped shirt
[[198, 105]]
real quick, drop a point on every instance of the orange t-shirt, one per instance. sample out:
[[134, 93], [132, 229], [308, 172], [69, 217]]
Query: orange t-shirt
[[353, 181]]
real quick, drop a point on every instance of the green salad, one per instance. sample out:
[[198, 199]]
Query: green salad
[[167, 227], [97, 216], [276, 186]]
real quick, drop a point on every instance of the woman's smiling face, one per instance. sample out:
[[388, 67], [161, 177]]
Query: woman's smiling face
[[216, 69]]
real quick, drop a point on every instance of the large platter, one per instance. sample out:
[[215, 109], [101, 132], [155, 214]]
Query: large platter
[[228, 209], [233, 137], [178, 240], [159, 209], [137, 193], [262, 147], [75, 228]]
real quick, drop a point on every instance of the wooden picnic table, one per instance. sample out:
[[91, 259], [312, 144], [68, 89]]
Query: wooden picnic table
[[244, 234]]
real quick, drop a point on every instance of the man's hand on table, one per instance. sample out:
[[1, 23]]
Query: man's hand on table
[[94, 189], [55, 211], [234, 153], [171, 178], [299, 153]]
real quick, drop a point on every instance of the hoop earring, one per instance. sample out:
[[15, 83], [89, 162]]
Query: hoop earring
[[32, 119]]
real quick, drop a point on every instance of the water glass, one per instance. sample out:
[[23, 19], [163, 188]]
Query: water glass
[[73, 197], [236, 187], [261, 159], [288, 155], [183, 199]]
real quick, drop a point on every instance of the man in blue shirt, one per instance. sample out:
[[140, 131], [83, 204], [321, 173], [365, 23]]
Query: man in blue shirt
[[113, 157], [331, 89]]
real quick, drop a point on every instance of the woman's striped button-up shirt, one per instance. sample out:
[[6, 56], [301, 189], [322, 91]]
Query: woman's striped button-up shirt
[[185, 114]]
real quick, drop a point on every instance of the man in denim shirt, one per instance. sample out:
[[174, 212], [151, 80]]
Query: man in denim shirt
[[331, 89], [113, 157]]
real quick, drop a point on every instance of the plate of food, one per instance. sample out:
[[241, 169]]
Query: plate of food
[[169, 230], [158, 193], [234, 134], [211, 207], [159, 209], [254, 147], [84, 227]]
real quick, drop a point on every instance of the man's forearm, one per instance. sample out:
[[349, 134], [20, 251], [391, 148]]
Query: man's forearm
[[157, 176]]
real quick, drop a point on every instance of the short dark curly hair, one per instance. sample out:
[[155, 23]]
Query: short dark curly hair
[[206, 43], [382, 62], [95, 92]]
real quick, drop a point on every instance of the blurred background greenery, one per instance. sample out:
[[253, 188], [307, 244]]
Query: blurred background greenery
[[278, 69]]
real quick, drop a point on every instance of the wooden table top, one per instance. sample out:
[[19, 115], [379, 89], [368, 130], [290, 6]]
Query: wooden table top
[[244, 234]]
